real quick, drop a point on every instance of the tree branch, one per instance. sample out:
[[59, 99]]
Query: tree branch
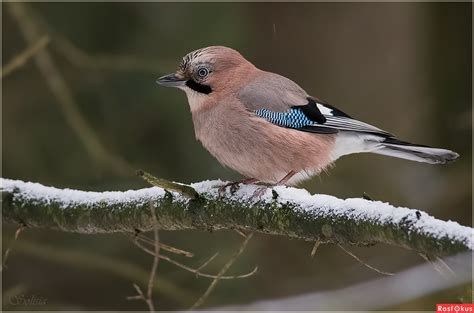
[[21, 59], [280, 211]]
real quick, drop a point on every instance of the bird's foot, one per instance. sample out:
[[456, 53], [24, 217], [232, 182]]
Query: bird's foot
[[235, 185], [285, 179], [259, 192]]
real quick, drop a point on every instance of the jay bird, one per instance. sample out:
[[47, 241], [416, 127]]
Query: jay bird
[[268, 128]]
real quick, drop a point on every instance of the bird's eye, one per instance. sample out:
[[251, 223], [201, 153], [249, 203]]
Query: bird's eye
[[202, 72]]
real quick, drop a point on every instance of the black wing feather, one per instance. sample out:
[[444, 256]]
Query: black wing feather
[[312, 111]]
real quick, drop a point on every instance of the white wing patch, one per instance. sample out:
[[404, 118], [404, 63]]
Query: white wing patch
[[324, 109]]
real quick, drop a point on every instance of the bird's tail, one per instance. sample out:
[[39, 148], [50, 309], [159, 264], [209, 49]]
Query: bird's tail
[[405, 150]]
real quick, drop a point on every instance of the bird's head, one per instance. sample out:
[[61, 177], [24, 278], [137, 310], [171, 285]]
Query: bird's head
[[206, 71]]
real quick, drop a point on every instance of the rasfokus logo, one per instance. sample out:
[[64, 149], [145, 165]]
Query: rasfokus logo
[[454, 308]]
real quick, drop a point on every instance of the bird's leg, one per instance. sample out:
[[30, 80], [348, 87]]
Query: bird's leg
[[287, 177], [259, 192], [233, 185]]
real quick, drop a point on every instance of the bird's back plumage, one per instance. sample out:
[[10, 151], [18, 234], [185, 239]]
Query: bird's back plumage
[[282, 102]]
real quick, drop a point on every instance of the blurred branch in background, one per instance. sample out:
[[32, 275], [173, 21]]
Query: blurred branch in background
[[377, 294], [79, 58], [19, 60], [281, 211], [62, 92]]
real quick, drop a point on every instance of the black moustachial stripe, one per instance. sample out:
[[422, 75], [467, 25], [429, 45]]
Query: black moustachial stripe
[[206, 89], [311, 111]]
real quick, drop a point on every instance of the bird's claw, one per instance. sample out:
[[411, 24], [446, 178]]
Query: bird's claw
[[233, 188], [259, 192]]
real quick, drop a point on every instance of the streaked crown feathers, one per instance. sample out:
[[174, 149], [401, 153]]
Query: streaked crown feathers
[[215, 55]]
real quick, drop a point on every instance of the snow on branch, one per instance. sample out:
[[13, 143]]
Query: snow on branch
[[280, 211]]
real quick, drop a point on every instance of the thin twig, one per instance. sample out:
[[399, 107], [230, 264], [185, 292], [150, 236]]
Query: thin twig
[[213, 284], [366, 196], [365, 264], [445, 265], [165, 246], [23, 57], [176, 250], [156, 258], [206, 263], [8, 250], [315, 247], [185, 190], [241, 233], [439, 265], [62, 92], [139, 296], [190, 269]]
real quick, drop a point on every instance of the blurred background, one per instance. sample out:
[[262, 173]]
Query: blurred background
[[98, 115]]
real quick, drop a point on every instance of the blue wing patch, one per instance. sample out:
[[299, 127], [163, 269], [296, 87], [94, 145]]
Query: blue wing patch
[[293, 118]]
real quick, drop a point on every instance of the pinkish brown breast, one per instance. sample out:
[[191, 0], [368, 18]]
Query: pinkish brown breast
[[256, 148]]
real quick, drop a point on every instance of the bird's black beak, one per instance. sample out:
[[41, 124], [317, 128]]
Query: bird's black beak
[[171, 80]]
